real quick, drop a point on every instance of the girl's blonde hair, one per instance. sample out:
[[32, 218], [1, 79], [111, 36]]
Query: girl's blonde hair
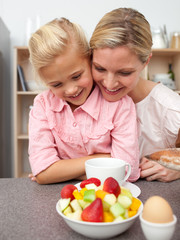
[[52, 40], [124, 26]]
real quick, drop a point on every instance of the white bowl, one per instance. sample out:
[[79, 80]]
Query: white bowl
[[158, 231], [99, 230]]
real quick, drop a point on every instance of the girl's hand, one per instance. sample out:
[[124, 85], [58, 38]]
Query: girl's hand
[[152, 170], [32, 177]]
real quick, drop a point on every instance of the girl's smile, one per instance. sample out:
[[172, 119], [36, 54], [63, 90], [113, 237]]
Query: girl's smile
[[76, 96]]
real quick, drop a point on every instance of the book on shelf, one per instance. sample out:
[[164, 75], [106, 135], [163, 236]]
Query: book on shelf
[[22, 78]]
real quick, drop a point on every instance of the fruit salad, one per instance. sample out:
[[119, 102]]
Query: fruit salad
[[94, 202]]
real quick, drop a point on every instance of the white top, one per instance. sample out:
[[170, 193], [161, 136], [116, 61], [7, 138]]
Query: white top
[[158, 119]]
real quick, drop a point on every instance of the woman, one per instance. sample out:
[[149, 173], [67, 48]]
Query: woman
[[121, 48]]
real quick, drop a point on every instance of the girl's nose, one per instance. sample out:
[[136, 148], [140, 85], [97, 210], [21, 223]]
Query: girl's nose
[[71, 90], [110, 82]]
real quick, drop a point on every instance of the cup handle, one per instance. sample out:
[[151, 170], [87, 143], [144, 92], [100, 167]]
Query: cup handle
[[128, 171]]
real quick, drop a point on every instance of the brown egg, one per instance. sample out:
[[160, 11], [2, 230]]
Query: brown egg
[[157, 210]]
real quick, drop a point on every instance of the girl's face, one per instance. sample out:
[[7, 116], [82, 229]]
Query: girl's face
[[116, 71], [69, 77]]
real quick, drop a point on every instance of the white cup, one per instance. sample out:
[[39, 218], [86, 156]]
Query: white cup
[[158, 231], [103, 168]]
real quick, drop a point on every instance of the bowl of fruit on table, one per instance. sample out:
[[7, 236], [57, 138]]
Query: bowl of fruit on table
[[98, 211]]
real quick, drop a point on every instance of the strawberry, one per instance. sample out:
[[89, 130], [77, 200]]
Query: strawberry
[[94, 212], [67, 191], [112, 186], [96, 181]]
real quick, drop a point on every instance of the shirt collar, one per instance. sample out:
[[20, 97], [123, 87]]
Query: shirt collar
[[91, 105], [56, 104]]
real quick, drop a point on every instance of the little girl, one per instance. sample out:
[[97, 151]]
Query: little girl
[[71, 122]]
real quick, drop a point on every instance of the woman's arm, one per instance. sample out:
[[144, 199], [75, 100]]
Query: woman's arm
[[152, 170], [64, 170]]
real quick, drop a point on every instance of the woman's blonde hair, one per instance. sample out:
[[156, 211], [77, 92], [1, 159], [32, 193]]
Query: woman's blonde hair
[[52, 40], [123, 26]]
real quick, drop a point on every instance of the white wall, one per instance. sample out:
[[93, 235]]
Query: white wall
[[86, 13]]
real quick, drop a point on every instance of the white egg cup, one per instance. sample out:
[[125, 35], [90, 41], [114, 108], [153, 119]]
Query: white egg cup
[[158, 231]]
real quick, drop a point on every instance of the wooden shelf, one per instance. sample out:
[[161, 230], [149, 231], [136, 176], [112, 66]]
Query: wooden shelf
[[159, 63], [23, 137], [21, 105], [165, 51], [27, 93]]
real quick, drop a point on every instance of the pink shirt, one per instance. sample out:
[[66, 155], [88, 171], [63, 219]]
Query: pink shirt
[[97, 126]]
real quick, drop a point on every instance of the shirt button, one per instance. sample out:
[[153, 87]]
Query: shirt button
[[74, 124]]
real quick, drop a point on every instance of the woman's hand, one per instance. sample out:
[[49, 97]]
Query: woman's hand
[[152, 170]]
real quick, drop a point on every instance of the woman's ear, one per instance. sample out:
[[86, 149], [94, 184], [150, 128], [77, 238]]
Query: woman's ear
[[148, 59], [144, 73]]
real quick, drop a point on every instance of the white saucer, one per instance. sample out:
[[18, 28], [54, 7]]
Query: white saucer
[[135, 190]]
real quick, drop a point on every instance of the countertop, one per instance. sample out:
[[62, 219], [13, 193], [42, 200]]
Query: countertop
[[28, 210]]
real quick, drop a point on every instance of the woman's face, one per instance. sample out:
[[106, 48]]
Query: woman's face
[[69, 77], [116, 71]]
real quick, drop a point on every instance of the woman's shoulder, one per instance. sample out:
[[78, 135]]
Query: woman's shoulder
[[161, 89], [165, 96], [162, 96]]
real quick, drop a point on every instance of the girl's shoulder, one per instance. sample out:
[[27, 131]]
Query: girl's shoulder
[[42, 98], [43, 95], [49, 101]]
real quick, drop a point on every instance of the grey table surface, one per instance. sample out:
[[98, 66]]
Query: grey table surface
[[27, 210]]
